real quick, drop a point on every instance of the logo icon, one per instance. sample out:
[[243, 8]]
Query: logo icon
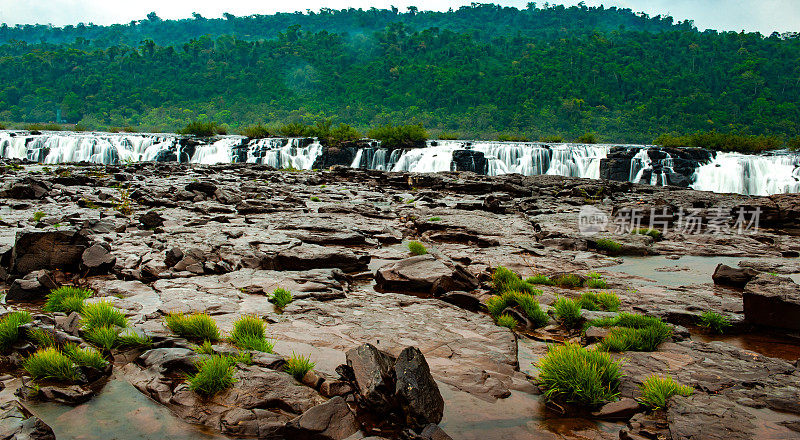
[[591, 220]]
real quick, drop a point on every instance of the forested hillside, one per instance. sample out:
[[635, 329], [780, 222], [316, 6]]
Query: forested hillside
[[478, 72]]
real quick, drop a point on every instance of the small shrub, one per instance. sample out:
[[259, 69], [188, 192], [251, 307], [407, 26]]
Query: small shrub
[[417, 248], [298, 365], [533, 310], [556, 139], [655, 233], [214, 374], [540, 279], [505, 280], [587, 138], [202, 129], [102, 314], [400, 136], [294, 130], [609, 246], [41, 338], [50, 363], [66, 299], [657, 390], [197, 326], [255, 132], [633, 332], [574, 374], [85, 357], [103, 337], [315, 199], [714, 321], [496, 305], [281, 297], [9, 328], [569, 280], [38, 215], [507, 321], [435, 219], [567, 311], [596, 281]]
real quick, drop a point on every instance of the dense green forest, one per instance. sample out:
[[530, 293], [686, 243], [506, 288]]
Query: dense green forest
[[481, 71]]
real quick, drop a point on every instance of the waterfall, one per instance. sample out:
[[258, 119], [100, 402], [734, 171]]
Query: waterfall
[[283, 153], [749, 175]]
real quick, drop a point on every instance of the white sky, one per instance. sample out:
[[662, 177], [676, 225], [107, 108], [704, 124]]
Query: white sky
[[764, 16]]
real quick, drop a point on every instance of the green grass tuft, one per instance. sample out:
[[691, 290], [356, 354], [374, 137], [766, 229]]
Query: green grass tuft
[[129, 338], [298, 365], [66, 299], [205, 348], [567, 311], [314, 199], [435, 219], [606, 301], [609, 246], [214, 374], [505, 280], [631, 332], [85, 357], [41, 338], [530, 306], [568, 280], [102, 314], [38, 215], [714, 321], [281, 297], [657, 390], [655, 233], [417, 248], [507, 321], [540, 279], [574, 374], [249, 333], [196, 326], [9, 328], [50, 363], [103, 337]]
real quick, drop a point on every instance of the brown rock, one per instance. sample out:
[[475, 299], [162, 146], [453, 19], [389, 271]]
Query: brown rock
[[772, 301], [622, 409], [730, 276], [332, 420]]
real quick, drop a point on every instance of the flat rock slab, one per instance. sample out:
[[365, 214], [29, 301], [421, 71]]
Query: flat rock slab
[[424, 273], [772, 301]]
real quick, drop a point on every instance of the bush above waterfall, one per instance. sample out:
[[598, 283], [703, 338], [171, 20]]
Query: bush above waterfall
[[400, 136], [203, 129], [713, 140]]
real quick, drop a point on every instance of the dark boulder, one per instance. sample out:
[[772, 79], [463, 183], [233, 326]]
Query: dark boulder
[[151, 220], [372, 372], [772, 301], [730, 276], [48, 249], [26, 188], [470, 160], [203, 186], [97, 259], [311, 256], [33, 286], [416, 390], [17, 423]]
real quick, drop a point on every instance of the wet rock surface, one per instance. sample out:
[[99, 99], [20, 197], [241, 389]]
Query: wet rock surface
[[221, 239]]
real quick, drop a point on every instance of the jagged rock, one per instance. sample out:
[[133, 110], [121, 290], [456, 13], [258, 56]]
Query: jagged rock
[[33, 286], [98, 259], [772, 301], [202, 186], [60, 248], [26, 188], [373, 374], [434, 432], [173, 256], [151, 220], [167, 359], [416, 390], [17, 423], [731, 276], [425, 273], [69, 394], [332, 420]]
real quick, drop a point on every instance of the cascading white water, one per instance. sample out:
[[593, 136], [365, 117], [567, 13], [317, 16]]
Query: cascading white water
[[750, 175], [284, 153], [218, 152]]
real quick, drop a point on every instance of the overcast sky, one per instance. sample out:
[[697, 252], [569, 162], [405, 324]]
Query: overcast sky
[[764, 16]]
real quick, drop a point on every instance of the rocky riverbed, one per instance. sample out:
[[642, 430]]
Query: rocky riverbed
[[403, 345]]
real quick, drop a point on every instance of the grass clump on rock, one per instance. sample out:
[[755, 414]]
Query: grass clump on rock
[[714, 321], [196, 326], [103, 337], [497, 304], [50, 363], [568, 280], [214, 374], [567, 311], [540, 279], [129, 338], [574, 374], [507, 321], [504, 280], [655, 233], [609, 246], [66, 299], [298, 365], [249, 333], [417, 248], [9, 328], [596, 281], [281, 298], [657, 390], [605, 301], [102, 314], [41, 337], [85, 357], [631, 332]]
